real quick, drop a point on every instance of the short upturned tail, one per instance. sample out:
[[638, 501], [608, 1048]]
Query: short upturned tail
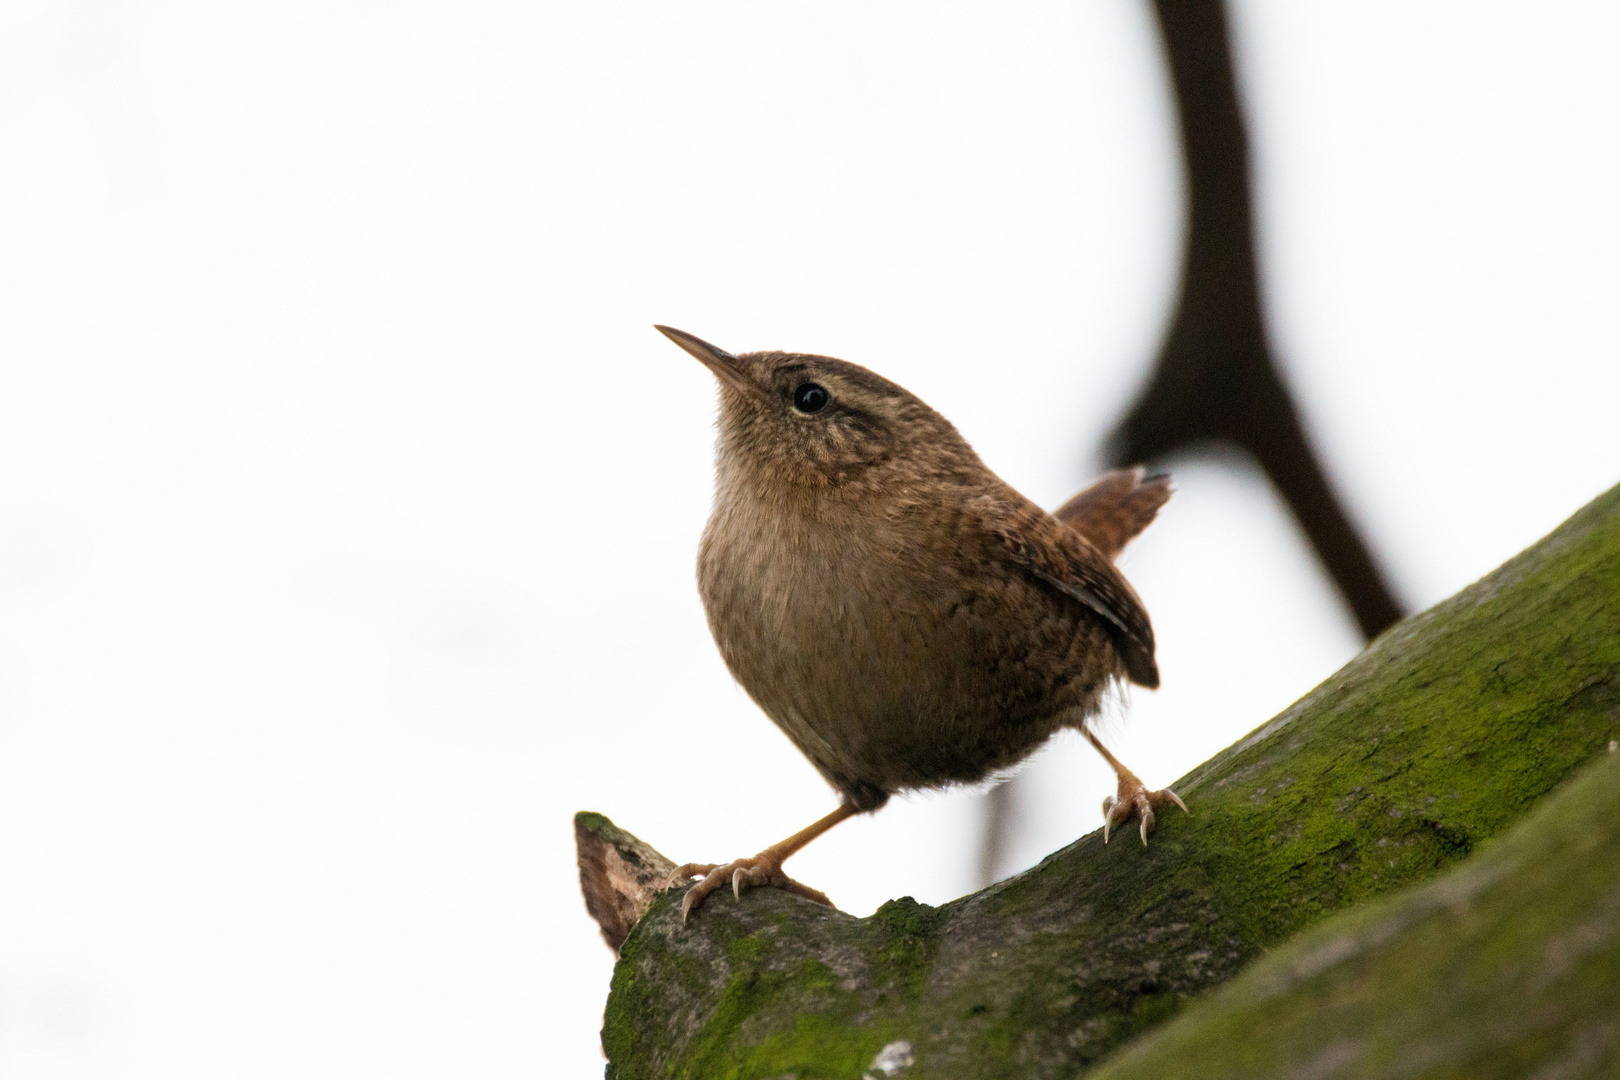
[[1112, 511]]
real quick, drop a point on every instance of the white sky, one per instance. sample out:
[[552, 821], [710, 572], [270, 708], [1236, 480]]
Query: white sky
[[348, 501]]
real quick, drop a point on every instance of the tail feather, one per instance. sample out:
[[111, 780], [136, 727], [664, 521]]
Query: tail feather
[[1113, 510]]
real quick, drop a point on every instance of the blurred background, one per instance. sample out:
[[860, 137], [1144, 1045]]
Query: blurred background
[[349, 502]]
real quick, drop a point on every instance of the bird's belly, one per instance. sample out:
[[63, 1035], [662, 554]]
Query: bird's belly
[[884, 673]]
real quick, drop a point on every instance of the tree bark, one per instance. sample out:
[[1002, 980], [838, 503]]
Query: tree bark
[[1446, 730], [1506, 966]]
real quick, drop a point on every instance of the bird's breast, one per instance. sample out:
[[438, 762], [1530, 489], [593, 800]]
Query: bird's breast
[[798, 601], [861, 637]]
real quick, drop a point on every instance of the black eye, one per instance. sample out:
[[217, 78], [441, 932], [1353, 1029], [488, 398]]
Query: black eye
[[810, 398]]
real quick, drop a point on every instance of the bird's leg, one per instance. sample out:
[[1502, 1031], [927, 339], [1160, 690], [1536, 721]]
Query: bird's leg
[[1133, 799], [762, 869]]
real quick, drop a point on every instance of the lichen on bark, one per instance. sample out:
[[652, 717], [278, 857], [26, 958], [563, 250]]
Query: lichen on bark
[[1437, 737]]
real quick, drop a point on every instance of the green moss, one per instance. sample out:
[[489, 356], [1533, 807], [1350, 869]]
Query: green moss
[[746, 950], [906, 918], [1438, 737], [910, 928], [815, 1048], [811, 1044], [1506, 966], [714, 1054], [813, 975], [632, 997]]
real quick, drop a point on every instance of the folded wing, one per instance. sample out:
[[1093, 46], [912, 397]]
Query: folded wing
[[1065, 561]]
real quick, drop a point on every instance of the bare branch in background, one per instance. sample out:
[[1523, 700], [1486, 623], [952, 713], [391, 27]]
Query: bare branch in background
[[1216, 381]]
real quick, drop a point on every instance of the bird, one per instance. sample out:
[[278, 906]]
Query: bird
[[904, 615]]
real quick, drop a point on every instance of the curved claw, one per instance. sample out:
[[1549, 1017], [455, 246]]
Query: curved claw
[[753, 871], [687, 871], [1138, 804]]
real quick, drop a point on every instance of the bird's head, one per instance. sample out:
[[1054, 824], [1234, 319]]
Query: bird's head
[[817, 421]]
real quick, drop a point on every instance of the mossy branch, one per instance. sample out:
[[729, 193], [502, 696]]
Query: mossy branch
[[1442, 733], [1506, 966]]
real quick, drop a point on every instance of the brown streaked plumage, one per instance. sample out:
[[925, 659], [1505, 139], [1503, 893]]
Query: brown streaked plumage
[[904, 615]]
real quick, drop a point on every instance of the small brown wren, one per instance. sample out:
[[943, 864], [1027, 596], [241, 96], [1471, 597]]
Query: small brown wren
[[903, 615]]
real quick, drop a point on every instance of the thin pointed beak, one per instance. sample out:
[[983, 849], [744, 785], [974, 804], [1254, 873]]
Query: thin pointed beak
[[725, 366]]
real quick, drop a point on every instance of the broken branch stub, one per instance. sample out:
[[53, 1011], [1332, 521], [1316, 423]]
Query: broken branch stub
[[619, 874]]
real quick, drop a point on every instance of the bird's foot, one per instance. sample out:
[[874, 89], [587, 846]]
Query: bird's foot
[[1135, 800], [762, 869]]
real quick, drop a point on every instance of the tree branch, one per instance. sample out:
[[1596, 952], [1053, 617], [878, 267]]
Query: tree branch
[[1507, 966]]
